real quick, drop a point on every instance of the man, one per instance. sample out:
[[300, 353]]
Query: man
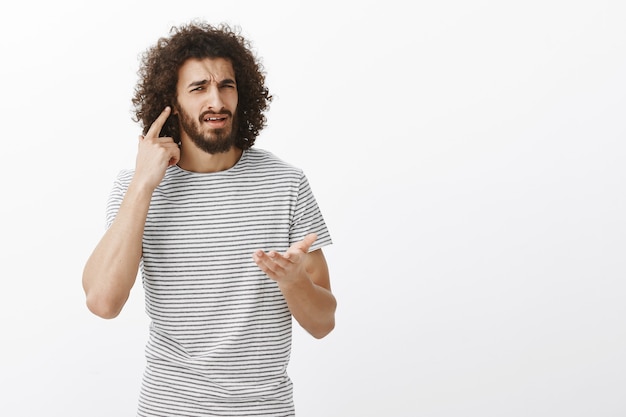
[[228, 237]]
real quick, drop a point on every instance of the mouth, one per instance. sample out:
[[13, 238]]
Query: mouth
[[214, 118], [215, 121]]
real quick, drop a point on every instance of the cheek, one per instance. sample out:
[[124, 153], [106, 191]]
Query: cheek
[[232, 100]]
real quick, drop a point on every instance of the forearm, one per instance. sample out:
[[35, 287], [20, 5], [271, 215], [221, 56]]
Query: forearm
[[111, 270], [311, 305]]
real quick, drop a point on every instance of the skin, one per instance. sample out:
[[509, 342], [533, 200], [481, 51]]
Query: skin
[[205, 87]]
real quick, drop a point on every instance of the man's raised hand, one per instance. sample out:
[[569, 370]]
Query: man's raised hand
[[155, 153], [288, 266]]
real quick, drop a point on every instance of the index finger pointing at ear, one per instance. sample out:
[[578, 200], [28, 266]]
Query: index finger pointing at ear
[[157, 125]]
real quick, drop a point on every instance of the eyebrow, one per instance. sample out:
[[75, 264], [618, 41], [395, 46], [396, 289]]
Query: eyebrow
[[225, 81]]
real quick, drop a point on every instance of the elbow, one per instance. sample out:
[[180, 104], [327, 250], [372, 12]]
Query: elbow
[[325, 327], [104, 307], [323, 330], [103, 299]]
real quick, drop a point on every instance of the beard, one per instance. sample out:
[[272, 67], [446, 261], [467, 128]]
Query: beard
[[212, 142]]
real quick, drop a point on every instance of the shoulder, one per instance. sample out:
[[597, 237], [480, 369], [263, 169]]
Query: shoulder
[[262, 159], [124, 177]]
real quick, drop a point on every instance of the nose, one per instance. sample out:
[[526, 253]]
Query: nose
[[214, 99]]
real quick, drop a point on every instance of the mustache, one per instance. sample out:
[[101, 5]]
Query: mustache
[[223, 111]]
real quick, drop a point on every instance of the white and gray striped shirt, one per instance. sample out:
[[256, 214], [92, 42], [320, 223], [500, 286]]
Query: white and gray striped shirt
[[220, 332]]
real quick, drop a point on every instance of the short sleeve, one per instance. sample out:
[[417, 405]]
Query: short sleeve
[[120, 185], [308, 218]]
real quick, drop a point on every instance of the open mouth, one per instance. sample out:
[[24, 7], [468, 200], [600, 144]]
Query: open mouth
[[215, 121], [214, 118]]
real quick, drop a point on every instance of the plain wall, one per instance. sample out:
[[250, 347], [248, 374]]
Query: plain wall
[[468, 157]]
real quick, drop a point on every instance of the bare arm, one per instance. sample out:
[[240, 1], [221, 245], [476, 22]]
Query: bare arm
[[111, 270], [304, 280]]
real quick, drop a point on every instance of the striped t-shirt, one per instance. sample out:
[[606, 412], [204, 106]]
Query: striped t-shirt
[[220, 331]]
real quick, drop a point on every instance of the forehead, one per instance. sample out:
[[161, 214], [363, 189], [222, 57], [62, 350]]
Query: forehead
[[212, 69]]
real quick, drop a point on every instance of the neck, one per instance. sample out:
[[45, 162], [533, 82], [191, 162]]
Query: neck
[[194, 160]]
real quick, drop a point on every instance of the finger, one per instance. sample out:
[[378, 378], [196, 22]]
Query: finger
[[305, 244], [262, 261], [175, 156], [308, 241], [171, 148], [157, 125], [301, 247]]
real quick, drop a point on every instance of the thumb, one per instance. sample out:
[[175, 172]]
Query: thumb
[[300, 248], [308, 240]]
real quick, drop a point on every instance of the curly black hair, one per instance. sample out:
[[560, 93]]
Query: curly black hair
[[158, 76]]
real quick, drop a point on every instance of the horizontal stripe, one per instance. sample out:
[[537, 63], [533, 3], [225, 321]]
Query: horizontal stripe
[[220, 332]]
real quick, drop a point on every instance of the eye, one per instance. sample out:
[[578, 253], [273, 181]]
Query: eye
[[197, 88]]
